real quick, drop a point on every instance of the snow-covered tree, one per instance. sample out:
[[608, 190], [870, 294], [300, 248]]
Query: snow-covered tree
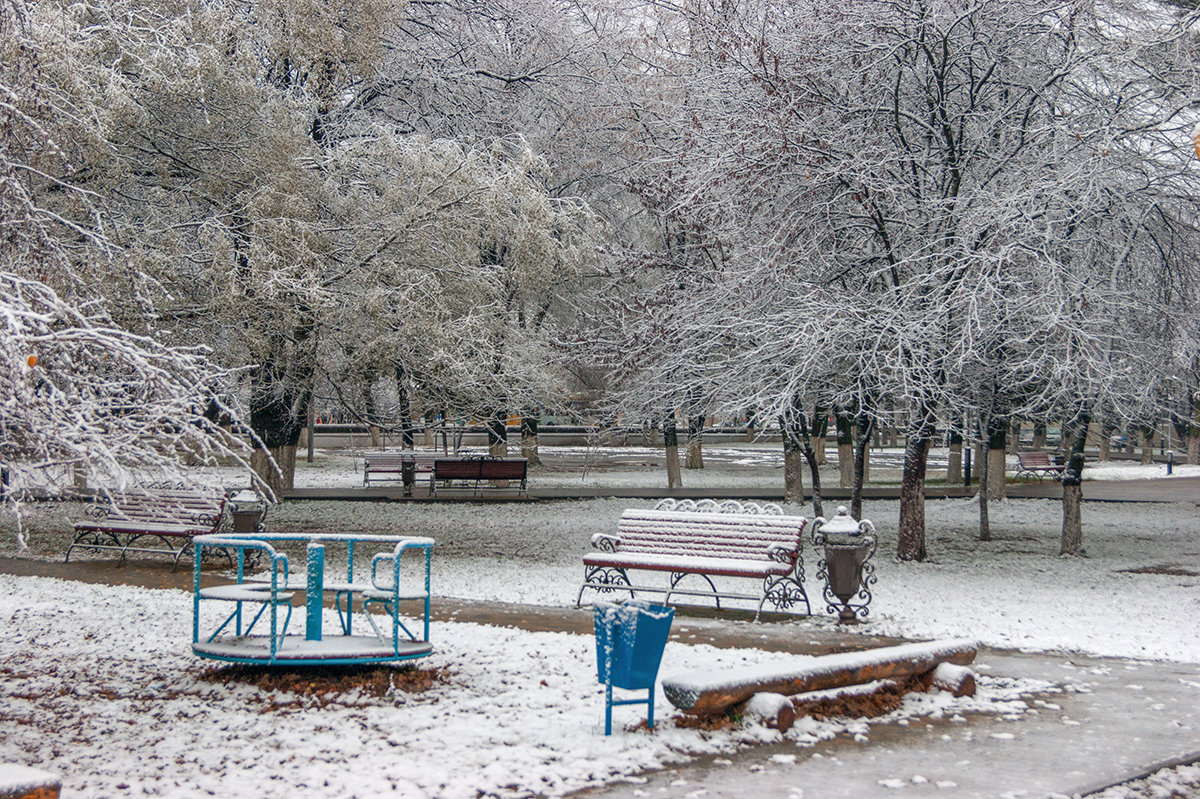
[[87, 388], [927, 197]]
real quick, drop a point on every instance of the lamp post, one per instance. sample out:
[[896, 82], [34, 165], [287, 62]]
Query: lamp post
[[849, 545]]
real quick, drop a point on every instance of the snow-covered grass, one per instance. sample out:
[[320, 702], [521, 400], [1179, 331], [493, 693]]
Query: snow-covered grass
[[1133, 595], [103, 690], [743, 465], [99, 684]]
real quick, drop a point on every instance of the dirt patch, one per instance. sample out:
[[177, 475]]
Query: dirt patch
[[881, 702], [326, 684]]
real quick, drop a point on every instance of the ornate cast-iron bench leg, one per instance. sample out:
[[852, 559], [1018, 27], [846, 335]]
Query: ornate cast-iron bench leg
[[605, 579], [677, 576], [784, 593]]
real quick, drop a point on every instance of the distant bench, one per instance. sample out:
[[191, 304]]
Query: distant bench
[[152, 521], [1037, 464], [380, 466], [480, 473], [706, 539]]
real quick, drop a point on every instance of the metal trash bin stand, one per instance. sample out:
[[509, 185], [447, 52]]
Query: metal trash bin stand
[[630, 638], [247, 509], [846, 571]]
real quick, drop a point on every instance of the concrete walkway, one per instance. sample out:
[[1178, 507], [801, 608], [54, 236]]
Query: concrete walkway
[[1107, 721]]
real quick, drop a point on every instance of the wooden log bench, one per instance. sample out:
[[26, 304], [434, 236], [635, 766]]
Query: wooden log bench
[[704, 539], [384, 466], [152, 522], [481, 473], [707, 694], [1037, 464]]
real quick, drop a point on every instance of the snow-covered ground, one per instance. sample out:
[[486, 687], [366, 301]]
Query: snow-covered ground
[[103, 690], [99, 685]]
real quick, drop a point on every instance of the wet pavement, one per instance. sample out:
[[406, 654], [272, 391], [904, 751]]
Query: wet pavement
[[1113, 719]]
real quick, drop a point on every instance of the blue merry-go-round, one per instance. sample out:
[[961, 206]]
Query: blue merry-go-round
[[248, 621]]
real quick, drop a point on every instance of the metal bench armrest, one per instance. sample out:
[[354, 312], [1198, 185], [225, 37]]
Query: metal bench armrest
[[783, 554], [605, 542]]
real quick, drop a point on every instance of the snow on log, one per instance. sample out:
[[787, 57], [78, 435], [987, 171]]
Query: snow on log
[[22, 782], [957, 680], [774, 710], [709, 693]]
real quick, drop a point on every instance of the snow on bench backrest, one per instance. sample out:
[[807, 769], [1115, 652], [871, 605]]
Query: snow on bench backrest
[[729, 535]]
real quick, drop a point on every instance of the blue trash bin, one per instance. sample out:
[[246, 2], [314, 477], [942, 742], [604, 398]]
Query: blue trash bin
[[630, 638]]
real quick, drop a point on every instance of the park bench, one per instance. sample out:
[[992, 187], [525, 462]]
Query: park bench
[[1037, 464], [151, 521], [381, 466], [480, 473], [706, 539]]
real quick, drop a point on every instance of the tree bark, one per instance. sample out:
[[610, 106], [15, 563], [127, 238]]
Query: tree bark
[[1147, 446], [497, 433], [1072, 482], [864, 426], [845, 443], [370, 415], [985, 524], [1039, 435], [751, 421], [910, 543], [997, 445], [404, 404], [1107, 430], [954, 471], [430, 421], [671, 444], [793, 468], [820, 428], [279, 395], [695, 437], [529, 439]]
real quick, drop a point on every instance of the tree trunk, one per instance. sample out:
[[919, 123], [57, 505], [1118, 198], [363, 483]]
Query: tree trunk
[[910, 543], [954, 471], [997, 446], [864, 426], [671, 443], [985, 524], [1147, 446], [793, 467], [529, 439], [370, 415], [820, 429], [1107, 430], [430, 422], [497, 433], [1039, 435], [751, 421], [651, 434], [1193, 447], [695, 436], [404, 404], [309, 423], [277, 406], [845, 445], [1014, 437], [1072, 482]]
